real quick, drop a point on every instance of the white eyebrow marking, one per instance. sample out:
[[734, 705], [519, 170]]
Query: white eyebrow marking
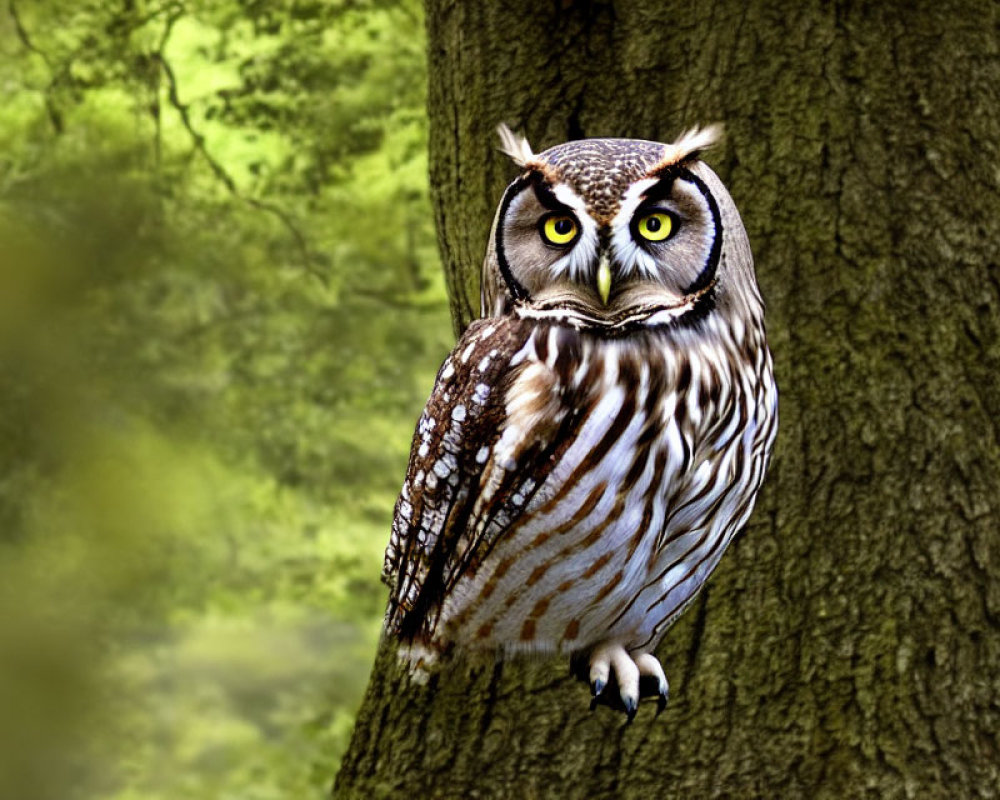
[[578, 263], [627, 253]]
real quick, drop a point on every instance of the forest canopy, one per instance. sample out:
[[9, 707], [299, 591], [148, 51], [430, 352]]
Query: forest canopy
[[220, 310]]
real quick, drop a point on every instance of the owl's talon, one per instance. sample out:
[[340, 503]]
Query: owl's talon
[[600, 669], [637, 675], [650, 667], [608, 658], [631, 706]]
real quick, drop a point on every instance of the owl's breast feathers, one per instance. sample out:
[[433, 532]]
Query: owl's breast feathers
[[562, 486]]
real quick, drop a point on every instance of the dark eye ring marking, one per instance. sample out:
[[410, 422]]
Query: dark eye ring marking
[[663, 189]]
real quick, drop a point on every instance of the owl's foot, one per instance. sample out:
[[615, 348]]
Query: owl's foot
[[603, 659], [636, 676]]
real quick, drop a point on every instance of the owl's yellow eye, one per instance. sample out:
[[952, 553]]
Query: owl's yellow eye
[[559, 229], [655, 227]]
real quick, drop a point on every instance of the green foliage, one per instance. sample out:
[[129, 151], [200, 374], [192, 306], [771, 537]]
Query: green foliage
[[220, 310]]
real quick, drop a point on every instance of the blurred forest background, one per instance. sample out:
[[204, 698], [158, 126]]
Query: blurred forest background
[[220, 312]]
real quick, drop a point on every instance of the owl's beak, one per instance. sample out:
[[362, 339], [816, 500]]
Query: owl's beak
[[604, 278]]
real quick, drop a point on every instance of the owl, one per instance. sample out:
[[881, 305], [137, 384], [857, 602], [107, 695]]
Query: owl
[[597, 438]]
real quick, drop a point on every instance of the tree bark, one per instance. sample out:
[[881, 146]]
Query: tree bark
[[849, 644]]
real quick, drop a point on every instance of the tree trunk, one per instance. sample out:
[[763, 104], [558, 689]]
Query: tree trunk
[[849, 644]]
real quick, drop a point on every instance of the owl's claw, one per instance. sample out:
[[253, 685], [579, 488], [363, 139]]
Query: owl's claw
[[650, 667], [612, 656], [637, 676], [631, 706]]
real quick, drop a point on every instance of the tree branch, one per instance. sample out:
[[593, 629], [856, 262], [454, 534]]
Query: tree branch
[[25, 38], [220, 172]]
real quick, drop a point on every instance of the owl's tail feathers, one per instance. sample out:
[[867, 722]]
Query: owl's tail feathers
[[415, 654], [418, 656], [418, 659], [411, 626]]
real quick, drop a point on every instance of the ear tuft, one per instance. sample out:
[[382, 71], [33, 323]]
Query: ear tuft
[[515, 146], [692, 142]]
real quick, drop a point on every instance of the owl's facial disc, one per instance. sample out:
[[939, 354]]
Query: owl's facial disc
[[666, 237], [545, 238], [659, 247]]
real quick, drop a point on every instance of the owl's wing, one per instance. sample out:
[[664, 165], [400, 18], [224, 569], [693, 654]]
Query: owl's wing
[[456, 499]]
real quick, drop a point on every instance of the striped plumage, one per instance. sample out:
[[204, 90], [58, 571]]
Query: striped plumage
[[586, 457]]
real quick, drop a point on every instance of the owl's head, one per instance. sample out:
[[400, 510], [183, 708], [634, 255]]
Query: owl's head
[[616, 234]]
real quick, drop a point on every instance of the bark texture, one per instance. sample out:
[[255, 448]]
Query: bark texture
[[849, 644]]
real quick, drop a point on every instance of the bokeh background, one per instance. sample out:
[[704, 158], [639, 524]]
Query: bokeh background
[[220, 313]]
